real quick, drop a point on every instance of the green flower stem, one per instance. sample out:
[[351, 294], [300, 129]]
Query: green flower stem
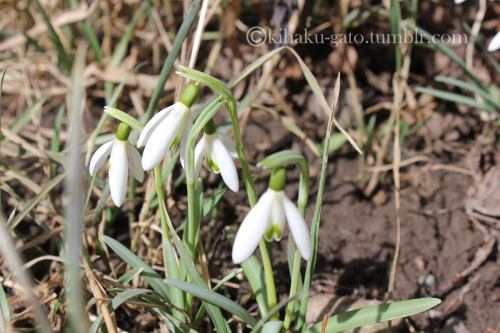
[[230, 102], [302, 205], [276, 161], [293, 290], [268, 273], [168, 252], [252, 198]]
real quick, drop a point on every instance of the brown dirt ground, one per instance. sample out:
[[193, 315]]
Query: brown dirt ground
[[357, 238]]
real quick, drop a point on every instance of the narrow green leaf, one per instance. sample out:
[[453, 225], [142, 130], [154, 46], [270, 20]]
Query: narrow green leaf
[[272, 327], [214, 312], [4, 310], [1, 86], [202, 310], [431, 42], [115, 303], [122, 116], [34, 201], [169, 62], [61, 53], [149, 274], [313, 83], [127, 277], [395, 16], [255, 275], [215, 299], [91, 35], [375, 314], [317, 212], [469, 87], [456, 98], [173, 324]]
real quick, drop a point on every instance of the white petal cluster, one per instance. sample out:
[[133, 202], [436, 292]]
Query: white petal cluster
[[218, 150], [267, 218], [495, 43], [121, 152], [162, 133]]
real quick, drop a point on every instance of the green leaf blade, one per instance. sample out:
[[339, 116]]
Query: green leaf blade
[[375, 314]]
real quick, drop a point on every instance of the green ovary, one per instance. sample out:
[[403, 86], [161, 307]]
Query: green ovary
[[212, 165], [273, 231], [174, 144]]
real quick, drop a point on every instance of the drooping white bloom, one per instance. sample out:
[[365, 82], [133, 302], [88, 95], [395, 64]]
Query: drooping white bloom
[[163, 132], [267, 218], [495, 43], [218, 150], [167, 128], [457, 2], [121, 152]]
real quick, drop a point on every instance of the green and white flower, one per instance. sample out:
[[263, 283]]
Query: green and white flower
[[218, 151], [167, 128], [121, 151], [267, 218]]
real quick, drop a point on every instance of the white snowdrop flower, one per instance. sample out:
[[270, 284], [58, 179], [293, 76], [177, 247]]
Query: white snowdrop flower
[[121, 151], [267, 218], [457, 2], [167, 128], [495, 43], [218, 150]]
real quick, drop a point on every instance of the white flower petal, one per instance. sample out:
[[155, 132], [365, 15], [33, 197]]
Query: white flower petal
[[135, 163], [99, 157], [161, 139], [229, 144], [495, 43], [251, 230], [226, 165], [151, 126], [199, 152], [277, 213], [298, 228], [183, 140], [118, 172], [457, 2]]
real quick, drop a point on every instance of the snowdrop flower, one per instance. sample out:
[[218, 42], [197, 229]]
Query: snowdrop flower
[[495, 43], [267, 218], [121, 151], [457, 2], [218, 150], [167, 128]]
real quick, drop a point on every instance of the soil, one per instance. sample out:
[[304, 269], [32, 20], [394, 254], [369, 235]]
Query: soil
[[357, 238]]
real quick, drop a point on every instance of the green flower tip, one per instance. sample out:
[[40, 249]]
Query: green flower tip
[[123, 132], [189, 95], [210, 127], [278, 179]]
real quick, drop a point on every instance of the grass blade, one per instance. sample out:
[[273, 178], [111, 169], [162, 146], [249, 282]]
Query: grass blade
[[169, 62], [317, 212], [4, 311], [213, 298], [456, 98], [74, 184], [61, 53], [149, 274], [375, 314], [36, 199], [214, 312], [115, 303], [469, 87]]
